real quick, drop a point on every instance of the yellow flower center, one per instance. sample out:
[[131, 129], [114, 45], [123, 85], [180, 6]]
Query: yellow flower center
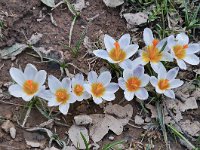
[[163, 84], [152, 53], [98, 89], [30, 87], [62, 96], [117, 54], [180, 51], [133, 84], [78, 89]]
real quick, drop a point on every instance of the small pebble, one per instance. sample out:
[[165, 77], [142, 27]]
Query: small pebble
[[111, 138]]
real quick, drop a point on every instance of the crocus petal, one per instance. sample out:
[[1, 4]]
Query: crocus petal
[[138, 71], [112, 87], [79, 78], [162, 73], [30, 71], [171, 41], [148, 36], [175, 83], [128, 95], [138, 61], [142, 94], [66, 83], [124, 41], [193, 48], [16, 90], [159, 91], [45, 94], [192, 59], [122, 83], [88, 88], [64, 108], [167, 57], [131, 50], [86, 95], [108, 96], [170, 94], [104, 78], [161, 44], [127, 74], [101, 53], [181, 64], [27, 97], [182, 39], [153, 81], [109, 42], [53, 102], [157, 67], [126, 64], [54, 84], [172, 73], [17, 75], [40, 77], [144, 80], [92, 77], [72, 98], [97, 100]]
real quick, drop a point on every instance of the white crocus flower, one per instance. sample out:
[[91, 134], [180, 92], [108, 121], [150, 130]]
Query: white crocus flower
[[166, 81], [133, 83], [100, 87], [29, 83], [182, 51], [78, 88], [153, 52], [59, 94], [117, 51]]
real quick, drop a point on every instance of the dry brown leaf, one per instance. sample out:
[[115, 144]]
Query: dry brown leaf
[[119, 111], [102, 124], [191, 128], [75, 136], [113, 3], [136, 19], [152, 109]]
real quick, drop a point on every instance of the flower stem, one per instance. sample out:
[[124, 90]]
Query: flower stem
[[28, 112]]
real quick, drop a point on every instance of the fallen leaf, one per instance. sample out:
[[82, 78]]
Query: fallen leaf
[[139, 120], [190, 103], [13, 51], [102, 124], [75, 136], [83, 120], [7, 125], [35, 38], [13, 132], [50, 3], [79, 5], [119, 111], [113, 3], [152, 109], [35, 140], [136, 19], [191, 128]]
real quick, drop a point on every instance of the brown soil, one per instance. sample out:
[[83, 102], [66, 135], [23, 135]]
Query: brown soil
[[21, 23]]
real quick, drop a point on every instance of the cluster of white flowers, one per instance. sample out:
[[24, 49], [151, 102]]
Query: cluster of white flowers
[[30, 83]]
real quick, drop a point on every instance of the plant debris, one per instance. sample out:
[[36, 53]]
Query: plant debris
[[102, 124], [113, 3], [49, 3], [79, 5], [135, 19], [191, 128], [83, 120], [75, 136]]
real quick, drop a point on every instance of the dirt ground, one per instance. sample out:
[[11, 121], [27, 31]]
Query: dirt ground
[[21, 23]]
